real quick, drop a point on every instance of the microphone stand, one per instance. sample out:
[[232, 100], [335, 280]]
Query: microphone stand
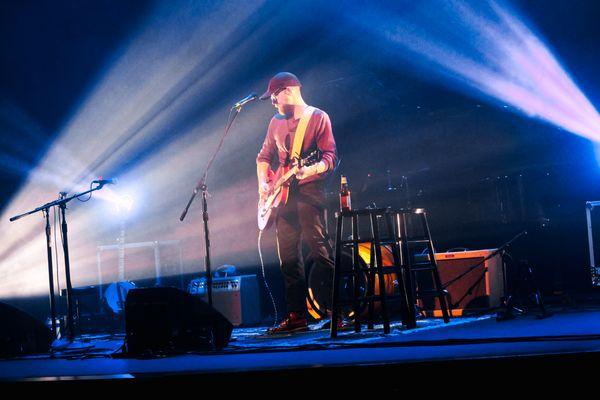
[[201, 186], [61, 202], [501, 250], [46, 212], [489, 256]]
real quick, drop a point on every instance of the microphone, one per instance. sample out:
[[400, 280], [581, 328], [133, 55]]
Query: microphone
[[102, 182], [247, 99]]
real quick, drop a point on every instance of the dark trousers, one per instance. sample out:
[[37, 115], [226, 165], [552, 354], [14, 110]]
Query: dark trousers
[[303, 217]]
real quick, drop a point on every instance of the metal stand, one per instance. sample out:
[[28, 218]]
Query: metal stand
[[207, 245], [62, 204], [46, 212], [523, 274], [65, 242], [501, 250], [201, 186], [594, 270], [154, 245]]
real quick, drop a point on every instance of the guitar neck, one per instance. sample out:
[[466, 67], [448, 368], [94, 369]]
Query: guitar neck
[[285, 177], [293, 170]]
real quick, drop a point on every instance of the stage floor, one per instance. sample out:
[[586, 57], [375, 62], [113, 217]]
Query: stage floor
[[100, 357]]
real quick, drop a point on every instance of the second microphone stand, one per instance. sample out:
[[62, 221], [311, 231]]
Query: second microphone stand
[[201, 186], [61, 203]]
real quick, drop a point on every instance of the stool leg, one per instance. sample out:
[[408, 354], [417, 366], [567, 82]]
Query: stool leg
[[356, 269], [402, 226], [405, 306], [336, 278], [370, 289], [380, 276], [436, 275]]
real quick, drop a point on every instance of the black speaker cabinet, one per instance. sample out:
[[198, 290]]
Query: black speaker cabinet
[[169, 320], [21, 334]]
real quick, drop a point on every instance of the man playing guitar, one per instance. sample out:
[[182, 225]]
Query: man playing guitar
[[302, 215]]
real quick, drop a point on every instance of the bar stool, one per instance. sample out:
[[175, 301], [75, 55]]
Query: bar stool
[[391, 232]]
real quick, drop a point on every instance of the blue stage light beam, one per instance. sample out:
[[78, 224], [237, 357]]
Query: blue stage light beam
[[483, 48], [153, 84]]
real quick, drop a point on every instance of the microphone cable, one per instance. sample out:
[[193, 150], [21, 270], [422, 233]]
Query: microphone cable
[[264, 276]]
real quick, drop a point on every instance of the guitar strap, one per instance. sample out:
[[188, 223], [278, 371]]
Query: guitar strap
[[300, 132]]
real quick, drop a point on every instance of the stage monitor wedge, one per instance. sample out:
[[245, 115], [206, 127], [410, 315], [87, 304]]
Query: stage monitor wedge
[[21, 334], [169, 320]]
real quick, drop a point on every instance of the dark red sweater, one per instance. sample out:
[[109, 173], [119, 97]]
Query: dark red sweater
[[280, 137]]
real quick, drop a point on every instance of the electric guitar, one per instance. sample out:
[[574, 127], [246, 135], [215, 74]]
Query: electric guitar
[[279, 188]]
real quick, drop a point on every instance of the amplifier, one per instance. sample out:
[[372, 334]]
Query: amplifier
[[488, 289], [236, 297]]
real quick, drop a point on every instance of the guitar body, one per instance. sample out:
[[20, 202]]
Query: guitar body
[[279, 189], [278, 197]]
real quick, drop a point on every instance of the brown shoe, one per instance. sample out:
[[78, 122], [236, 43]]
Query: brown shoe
[[342, 324], [293, 322]]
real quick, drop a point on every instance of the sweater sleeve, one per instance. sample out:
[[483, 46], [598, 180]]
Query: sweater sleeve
[[326, 142], [268, 149]]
